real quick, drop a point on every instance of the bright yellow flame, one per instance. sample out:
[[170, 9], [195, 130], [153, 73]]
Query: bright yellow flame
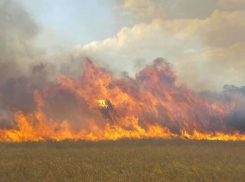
[[103, 103]]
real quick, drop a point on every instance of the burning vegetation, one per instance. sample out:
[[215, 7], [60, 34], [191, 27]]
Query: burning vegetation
[[97, 106], [91, 104]]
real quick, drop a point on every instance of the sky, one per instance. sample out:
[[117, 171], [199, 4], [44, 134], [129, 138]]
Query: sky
[[74, 22], [204, 41]]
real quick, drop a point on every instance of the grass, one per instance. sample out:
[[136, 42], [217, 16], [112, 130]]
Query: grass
[[123, 160]]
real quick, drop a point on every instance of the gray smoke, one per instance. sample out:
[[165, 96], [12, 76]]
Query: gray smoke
[[21, 71], [231, 96], [18, 31], [237, 95]]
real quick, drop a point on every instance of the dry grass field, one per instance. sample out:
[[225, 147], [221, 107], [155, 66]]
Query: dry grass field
[[123, 160]]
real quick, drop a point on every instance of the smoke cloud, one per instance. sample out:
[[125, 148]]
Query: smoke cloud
[[127, 92]]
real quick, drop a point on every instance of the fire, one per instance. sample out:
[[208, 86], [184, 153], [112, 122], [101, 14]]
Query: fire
[[153, 105], [103, 103]]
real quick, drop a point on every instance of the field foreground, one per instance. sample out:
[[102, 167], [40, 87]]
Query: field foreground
[[123, 160]]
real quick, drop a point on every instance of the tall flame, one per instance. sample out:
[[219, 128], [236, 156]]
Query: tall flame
[[96, 106]]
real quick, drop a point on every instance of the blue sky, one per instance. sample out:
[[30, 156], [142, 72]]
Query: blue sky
[[79, 21]]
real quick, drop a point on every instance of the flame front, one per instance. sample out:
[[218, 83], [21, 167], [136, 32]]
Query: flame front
[[96, 106]]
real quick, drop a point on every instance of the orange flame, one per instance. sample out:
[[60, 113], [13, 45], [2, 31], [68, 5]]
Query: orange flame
[[151, 106]]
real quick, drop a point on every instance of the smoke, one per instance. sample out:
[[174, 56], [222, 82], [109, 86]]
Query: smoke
[[18, 31], [237, 95], [231, 96], [58, 89], [22, 69]]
